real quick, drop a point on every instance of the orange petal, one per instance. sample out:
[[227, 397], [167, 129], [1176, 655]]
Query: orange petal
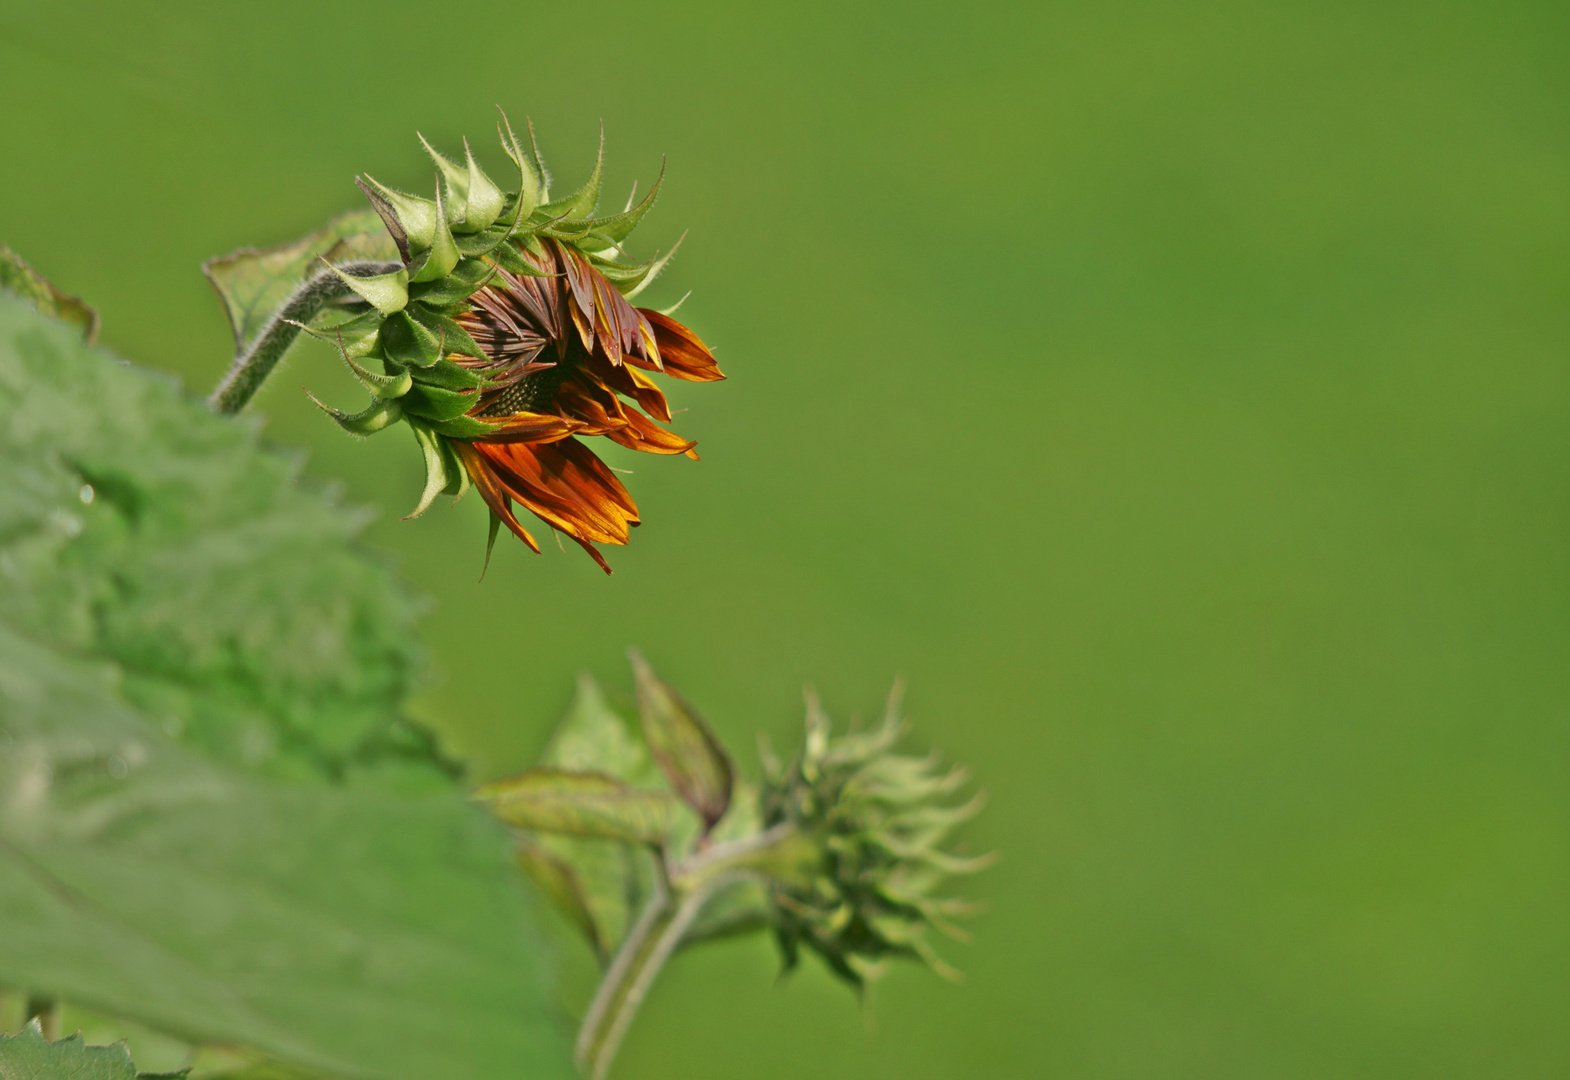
[[533, 427], [485, 481], [566, 486], [684, 355], [586, 400], [634, 384], [644, 434]]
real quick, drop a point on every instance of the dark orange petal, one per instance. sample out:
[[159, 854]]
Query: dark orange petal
[[684, 356], [579, 275], [644, 434], [566, 486], [633, 383], [585, 400], [486, 482], [534, 428]]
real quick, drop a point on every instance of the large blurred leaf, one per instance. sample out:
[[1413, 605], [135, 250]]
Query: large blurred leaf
[[253, 284], [29, 1056], [181, 623], [138, 527], [355, 931]]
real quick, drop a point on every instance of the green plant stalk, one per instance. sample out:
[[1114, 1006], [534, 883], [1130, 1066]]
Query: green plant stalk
[[258, 359], [679, 897]]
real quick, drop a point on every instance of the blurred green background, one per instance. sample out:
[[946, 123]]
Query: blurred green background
[[1175, 393]]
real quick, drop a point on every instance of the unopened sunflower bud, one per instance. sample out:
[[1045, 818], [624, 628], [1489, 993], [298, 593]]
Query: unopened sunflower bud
[[879, 823]]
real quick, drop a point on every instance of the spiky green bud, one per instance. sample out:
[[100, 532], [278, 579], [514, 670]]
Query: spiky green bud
[[879, 821]]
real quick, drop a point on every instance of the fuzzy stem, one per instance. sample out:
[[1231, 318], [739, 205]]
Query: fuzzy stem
[[257, 360], [680, 895]]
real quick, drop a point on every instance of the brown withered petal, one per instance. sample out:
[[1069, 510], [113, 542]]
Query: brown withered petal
[[644, 434], [684, 355], [563, 354]]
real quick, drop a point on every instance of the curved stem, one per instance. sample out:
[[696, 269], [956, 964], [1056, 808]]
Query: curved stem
[[680, 895], [257, 361]]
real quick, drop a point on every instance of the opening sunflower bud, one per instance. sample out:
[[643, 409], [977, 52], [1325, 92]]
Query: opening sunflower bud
[[505, 330]]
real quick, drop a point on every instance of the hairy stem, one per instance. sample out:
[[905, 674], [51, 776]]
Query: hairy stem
[[680, 895], [258, 359]]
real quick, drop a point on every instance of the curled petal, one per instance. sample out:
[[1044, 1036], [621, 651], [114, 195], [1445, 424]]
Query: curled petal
[[490, 489], [644, 434], [532, 427], [684, 355]]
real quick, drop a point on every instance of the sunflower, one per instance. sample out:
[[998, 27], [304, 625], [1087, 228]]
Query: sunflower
[[507, 336]]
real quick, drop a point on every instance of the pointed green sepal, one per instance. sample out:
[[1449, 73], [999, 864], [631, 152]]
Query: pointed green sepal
[[435, 404], [443, 254], [449, 376], [490, 542], [508, 259], [529, 193], [406, 341], [581, 203], [382, 386], [382, 413], [485, 198], [454, 338], [439, 464], [457, 178], [466, 279], [463, 427], [416, 217], [386, 293], [539, 163], [655, 269], [354, 337], [672, 309], [618, 227]]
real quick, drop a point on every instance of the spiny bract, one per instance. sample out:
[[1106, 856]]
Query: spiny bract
[[878, 820]]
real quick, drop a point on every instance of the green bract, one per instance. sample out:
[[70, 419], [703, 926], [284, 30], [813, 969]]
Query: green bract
[[877, 820]]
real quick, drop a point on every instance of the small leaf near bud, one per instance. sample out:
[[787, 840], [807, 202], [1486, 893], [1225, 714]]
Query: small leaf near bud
[[690, 755], [443, 473], [587, 804]]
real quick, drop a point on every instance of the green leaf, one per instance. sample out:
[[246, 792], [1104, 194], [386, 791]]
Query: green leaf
[[352, 930], [29, 1056], [601, 885], [589, 804], [141, 529], [691, 756], [21, 280], [252, 284]]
